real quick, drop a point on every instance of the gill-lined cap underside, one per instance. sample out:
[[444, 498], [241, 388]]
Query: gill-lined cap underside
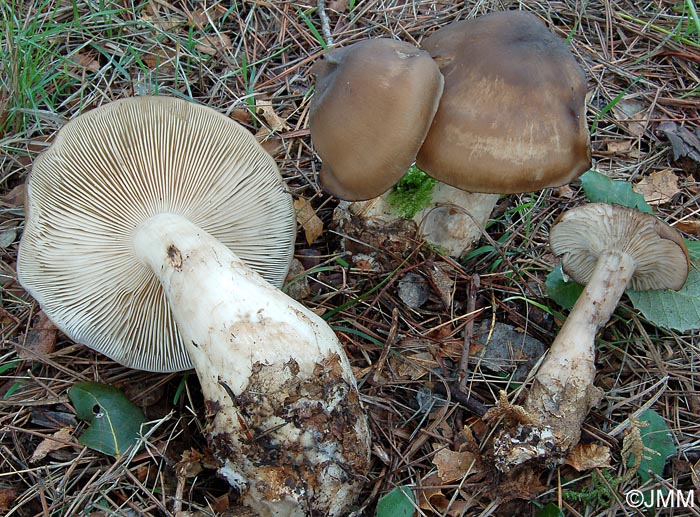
[[581, 235], [109, 170]]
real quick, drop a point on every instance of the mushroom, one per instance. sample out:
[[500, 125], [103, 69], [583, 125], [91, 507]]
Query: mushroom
[[609, 248], [373, 105], [511, 119], [512, 115], [157, 232]]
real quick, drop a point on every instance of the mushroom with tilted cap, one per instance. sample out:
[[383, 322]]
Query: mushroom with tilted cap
[[372, 107], [157, 232], [511, 117], [609, 248]]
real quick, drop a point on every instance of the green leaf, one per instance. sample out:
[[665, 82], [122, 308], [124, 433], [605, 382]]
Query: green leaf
[[397, 503], [657, 438], [550, 510], [562, 291], [601, 189], [678, 310], [115, 421]]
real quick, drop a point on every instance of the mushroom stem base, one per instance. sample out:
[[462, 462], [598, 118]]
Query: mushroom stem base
[[563, 392], [286, 420]]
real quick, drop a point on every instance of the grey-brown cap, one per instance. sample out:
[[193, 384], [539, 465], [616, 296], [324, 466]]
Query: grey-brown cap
[[372, 107], [512, 115], [581, 235], [108, 171]]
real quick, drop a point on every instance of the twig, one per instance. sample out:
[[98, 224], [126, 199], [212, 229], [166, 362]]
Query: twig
[[325, 22], [474, 283]]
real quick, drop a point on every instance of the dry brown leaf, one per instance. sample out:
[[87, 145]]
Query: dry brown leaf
[[414, 366], [14, 197], [190, 464], [87, 60], [7, 496], [58, 440], [632, 114], [40, 340], [441, 276], [453, 466], [695, 474], [565, 192], [431, 493], [587, 456], [264, 109], [689, 227], [212, 44], [307, 218], [658, 187]]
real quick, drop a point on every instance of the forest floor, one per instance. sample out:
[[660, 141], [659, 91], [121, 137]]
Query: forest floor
[[59, 58]]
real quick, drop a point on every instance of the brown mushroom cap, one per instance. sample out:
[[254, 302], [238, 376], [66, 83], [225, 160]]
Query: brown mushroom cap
[[512, 115], [582, 234], [372, 108]]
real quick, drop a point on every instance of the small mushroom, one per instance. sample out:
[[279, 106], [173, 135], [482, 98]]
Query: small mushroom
[[156, 233], [512, 114], [373, 105], [609, 248]]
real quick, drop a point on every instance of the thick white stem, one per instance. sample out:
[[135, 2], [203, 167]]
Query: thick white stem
[[563, 391], [287, 423]]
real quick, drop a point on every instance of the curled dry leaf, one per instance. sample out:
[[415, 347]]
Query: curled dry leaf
[[7, 497], [264, 109], [658, 187], [587, 456], [40, 340], [307, 218], [689, 227], [60, 439], [453, 466]]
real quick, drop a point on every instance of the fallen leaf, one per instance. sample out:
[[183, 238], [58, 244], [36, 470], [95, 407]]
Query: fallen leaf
[[297, 282], [414, 366], [684, 143], [431, 492], [40, 340], [442, 280], [307, 218], [87, 60], [695, 476], [7, 496], [659, 187], [15, 197], [565, 192], [212, 44], [58, 440], [190, 464], [452, 465], [264, 109], [632, 114], [587, 456], [689, 227], [7, 237]]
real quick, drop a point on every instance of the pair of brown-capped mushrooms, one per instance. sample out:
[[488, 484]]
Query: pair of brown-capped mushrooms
[[495, 104], [158, 232]]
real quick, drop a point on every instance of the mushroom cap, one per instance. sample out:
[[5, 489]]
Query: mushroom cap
[[109, 170], [581, 235], [372, 108], [512, 115]]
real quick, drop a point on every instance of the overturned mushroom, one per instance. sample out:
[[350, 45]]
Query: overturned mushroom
[[609, 248], [155, 230]]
